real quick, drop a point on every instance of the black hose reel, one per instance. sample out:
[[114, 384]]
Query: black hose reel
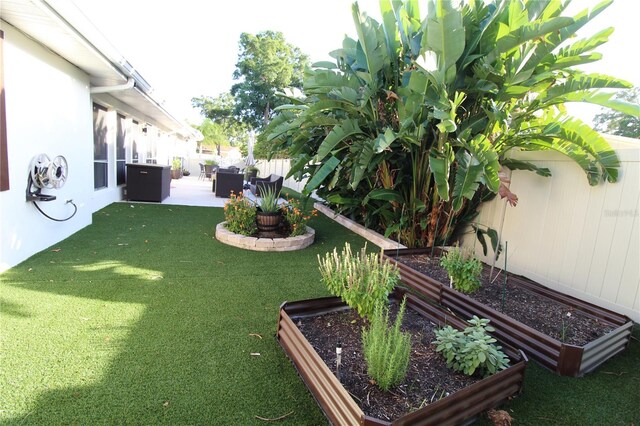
[[45, 173]]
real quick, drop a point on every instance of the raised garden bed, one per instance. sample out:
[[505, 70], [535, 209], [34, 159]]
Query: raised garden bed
[[575, 341], [464, 402]]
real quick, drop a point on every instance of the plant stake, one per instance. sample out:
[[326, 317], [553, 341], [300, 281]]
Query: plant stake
[[338, 359], [504, 287]]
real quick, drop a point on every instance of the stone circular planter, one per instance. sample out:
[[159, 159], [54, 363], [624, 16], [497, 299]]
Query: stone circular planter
[[264, 244]]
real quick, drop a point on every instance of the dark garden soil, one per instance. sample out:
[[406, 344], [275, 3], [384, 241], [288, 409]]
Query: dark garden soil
[[272, 234], [428, 378], [549, 317], [282, 232]]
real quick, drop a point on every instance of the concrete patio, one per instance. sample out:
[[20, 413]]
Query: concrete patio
[[191, 191]]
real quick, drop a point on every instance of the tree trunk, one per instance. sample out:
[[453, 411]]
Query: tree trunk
[[433, 225], [265, 120]]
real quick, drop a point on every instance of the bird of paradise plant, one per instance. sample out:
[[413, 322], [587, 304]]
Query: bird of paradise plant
[[415, 122]]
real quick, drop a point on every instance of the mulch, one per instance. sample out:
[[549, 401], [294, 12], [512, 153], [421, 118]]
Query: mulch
[[428, 378], [545, 315]]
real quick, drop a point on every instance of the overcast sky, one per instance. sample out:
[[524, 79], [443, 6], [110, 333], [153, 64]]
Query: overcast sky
[[189, 48]]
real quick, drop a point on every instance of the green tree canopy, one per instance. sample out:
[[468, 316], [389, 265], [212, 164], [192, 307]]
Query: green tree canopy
[[618, 123], [219, 111], [266, 64], [214, 135]]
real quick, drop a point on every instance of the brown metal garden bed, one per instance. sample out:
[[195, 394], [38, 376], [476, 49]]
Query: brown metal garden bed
[[562, 358], [341, 409]]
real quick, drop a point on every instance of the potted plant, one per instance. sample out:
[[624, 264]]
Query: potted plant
[[268, 215], [249, 172], [176, 168]]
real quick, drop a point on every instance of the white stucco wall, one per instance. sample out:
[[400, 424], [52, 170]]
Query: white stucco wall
[[48, 110]]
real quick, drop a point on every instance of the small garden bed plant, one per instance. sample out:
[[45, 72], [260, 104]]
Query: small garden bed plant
[[176, 168]]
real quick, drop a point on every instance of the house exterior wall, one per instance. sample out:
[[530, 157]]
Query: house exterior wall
[[579, 239], [48, 110]]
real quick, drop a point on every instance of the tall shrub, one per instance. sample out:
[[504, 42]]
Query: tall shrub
[[409, 128]]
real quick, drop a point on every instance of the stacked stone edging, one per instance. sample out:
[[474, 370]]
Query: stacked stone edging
[[264, 244]]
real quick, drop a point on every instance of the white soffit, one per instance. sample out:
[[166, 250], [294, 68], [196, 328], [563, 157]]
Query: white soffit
[[47, 28], [63, 29]]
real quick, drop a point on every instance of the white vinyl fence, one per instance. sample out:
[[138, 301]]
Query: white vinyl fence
[[279, 167], [265, 168], [567, 235]]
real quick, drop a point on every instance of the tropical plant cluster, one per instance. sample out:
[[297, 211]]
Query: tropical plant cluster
[[240, 215], [419, 119], [361, 280], [471, 350], [386, 348], [296, 216], [464, 269]]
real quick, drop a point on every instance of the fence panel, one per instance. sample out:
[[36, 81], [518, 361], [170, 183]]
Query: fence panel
[[279, 167], [579, 239]]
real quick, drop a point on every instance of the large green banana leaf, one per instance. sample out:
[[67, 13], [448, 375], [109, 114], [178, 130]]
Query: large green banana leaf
[[323, 172], [439, 163], [346, 129], [467, 179]]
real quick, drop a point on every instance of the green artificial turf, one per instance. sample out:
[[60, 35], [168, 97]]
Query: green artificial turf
[[144, 318]]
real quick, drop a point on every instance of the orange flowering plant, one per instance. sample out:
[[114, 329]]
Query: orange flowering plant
[[240, 215], [296, 216]]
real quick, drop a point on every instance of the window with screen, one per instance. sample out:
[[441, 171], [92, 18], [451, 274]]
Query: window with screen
[[121, 152], [135, 134], [4, 159], [152, 147], [100, 148]]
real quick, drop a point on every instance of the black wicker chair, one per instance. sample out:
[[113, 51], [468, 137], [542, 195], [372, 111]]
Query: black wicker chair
[[273, 181], [228, 181], [209, 170]]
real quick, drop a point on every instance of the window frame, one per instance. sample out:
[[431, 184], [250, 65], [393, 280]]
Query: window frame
[[4, 157], [103, 162], [121, 149]]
